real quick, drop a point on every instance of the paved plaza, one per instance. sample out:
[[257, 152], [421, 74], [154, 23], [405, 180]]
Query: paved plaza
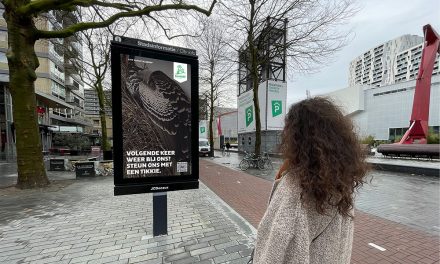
[[80, 221]]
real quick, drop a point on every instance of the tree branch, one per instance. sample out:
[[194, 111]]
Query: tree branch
[[40, 6], [71, 30]]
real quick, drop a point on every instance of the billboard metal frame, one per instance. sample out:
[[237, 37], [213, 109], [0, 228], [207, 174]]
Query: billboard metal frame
[[134, 47]]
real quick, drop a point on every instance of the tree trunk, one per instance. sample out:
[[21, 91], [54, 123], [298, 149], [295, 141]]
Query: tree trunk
[[254, 75], [23, 62], [101, 100], [211, 130], [257, 114], [211, 108]]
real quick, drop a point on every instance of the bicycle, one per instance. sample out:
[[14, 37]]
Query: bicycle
[[71, 165], [105, 169], [251, 159], [267, 162]]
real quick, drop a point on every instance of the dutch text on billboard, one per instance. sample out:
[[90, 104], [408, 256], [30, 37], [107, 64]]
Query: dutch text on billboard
[[272, 101], [156, 117]]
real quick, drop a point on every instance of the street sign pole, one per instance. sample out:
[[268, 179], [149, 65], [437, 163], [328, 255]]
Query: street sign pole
[[160, 221]]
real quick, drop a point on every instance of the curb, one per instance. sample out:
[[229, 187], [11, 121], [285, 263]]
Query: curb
[[435, 172], [406, 169]]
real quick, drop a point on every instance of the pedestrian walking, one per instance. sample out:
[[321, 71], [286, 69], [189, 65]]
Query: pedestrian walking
[[228, 146], [309, 218]]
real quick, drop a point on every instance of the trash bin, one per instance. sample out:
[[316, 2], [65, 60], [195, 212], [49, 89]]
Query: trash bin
[[108, 155]]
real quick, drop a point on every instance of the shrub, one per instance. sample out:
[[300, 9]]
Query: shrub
[[369, 140], [72, 141], [433, 138]]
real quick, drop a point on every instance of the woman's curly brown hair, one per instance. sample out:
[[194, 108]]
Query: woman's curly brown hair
[[324, 153]]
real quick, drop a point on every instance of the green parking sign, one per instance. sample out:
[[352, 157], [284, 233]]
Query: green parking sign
[[249, 115], [277, 108], [202, 129]]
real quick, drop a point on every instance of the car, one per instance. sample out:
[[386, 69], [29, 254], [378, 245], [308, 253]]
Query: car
[[204, 147]]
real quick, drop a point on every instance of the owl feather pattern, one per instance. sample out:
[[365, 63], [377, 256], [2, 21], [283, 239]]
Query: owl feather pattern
[[165, 103]]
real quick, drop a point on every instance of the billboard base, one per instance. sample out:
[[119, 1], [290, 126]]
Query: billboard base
[[154, 187]]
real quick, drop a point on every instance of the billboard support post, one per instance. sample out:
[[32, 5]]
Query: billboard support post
[[160, 214]]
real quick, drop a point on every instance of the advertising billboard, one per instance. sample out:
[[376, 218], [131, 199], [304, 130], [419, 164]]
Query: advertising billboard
[[203, 129], [155, 117], [246, 110], [272, 100], [276, 104]]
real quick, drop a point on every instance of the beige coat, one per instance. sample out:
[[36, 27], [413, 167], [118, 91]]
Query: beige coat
[[292, 233]]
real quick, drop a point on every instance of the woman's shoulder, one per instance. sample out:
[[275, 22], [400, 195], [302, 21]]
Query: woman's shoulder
[[290, 184], [286, 192]]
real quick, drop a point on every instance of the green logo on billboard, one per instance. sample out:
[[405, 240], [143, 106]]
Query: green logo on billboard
[[277, 108], [202, 130], [249, 115], [180, 70]]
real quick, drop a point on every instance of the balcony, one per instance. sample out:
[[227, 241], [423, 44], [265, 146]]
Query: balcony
[[69, 67], [71, 84]]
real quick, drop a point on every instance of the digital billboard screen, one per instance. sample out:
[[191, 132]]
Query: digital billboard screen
[[155, 117]]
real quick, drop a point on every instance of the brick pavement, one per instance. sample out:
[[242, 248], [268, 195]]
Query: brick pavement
[[248, 195], [413, 200], [80, 221]]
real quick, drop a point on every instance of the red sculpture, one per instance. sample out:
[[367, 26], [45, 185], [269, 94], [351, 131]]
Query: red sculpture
[[418, 129]]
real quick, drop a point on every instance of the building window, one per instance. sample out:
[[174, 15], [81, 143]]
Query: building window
[[58, 90], [395, 134], [3, 58], [3, 36]]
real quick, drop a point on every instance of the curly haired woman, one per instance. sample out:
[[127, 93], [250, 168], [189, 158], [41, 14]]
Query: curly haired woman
[[310, 214]]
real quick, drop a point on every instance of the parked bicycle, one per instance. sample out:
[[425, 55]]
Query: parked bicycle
[[251, 159], [105, 170], [261, 162], [71, 165], [267, 162]]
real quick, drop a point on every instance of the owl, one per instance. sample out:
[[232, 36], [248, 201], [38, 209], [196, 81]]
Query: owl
[[167, 106]]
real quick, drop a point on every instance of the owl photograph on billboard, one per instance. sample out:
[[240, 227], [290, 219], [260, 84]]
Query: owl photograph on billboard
[[156, 117]]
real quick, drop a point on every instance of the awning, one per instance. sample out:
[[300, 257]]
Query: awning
[[45, 128]]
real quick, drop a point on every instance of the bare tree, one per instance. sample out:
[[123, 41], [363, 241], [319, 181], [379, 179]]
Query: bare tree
[[312, 35], [215, 66], [95, 63], [22, 60]]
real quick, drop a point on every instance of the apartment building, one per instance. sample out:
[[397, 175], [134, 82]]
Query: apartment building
[[394, 61], [91, 107], [58, 88], [408, 62], [382, 82]]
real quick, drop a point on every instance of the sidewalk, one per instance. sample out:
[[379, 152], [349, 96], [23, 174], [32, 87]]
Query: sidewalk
[[248, 195], [80, 221]]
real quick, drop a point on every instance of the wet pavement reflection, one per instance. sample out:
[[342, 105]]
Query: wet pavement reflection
[[413, 200]]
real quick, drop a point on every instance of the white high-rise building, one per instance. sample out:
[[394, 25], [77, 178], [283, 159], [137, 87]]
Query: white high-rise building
[[395, 61], [408, 62]]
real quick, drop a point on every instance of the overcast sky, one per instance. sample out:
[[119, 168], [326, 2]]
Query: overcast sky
[[377, 22]]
